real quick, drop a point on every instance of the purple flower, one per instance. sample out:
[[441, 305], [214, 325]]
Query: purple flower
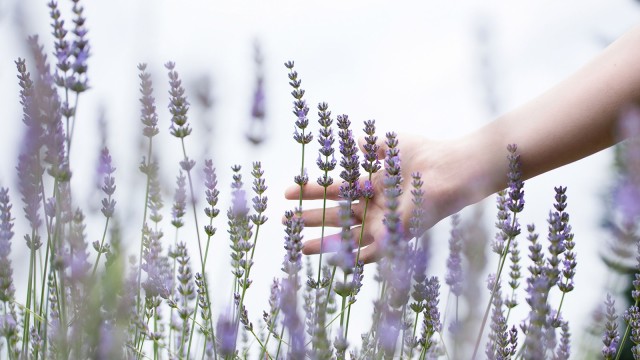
[[454, 262], [516, 194], [178, 104], [344, 258], [154, 202], [563, 351], [274, 305], [106, 170], [392, 191], [7, 289], [148, 114], [80, 49], [294, 225], [292, 321], [29, 173], [326, 140], [239, 226], [179, 201], [611, 335], [259, 201], [504, 220], [560, 236], [514, 273], [300, 108], [350, 189], [370, 163], [159, 271], [226, 334], [62, 49], [77, 258], [211, 193], [431, 323]]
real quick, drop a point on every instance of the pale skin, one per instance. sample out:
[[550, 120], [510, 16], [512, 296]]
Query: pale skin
[[574, 119]]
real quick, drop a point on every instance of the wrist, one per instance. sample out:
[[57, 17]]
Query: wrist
[[480, 165]]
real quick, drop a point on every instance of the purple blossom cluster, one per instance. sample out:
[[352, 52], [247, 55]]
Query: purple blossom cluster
[[349, 161]]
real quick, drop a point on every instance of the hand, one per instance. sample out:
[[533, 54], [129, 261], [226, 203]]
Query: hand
[[442, 166]]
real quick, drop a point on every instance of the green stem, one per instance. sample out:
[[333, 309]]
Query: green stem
[[280, 342], [144, 221], [247, 269], [155, 330], [503, 258], [324, 210], [193, 202], [624, 337], [27, 318], [73, 125], [493, 292], [104, 236], [344, 304]]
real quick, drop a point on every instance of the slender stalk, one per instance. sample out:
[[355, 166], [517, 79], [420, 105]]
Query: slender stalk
[[193, 202], [324, 210], [503, 258], [30, 285], [624, 337], [73, 125], [144, 220], [104, 236]]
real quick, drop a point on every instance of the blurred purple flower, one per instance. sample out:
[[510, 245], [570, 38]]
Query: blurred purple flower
[[7, 289], [611, 335], [179, 201], [105, 169], [148, 114], [226, 334], [178, 104]]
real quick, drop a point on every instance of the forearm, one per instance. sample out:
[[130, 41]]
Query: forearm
[[574, 119]]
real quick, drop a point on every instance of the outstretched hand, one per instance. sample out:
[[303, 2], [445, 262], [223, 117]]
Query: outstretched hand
[[441, 172]]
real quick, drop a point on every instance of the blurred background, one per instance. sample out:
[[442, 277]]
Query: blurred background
[[439, 69]]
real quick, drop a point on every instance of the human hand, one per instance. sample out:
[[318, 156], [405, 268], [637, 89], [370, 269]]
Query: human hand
[[444, 167]]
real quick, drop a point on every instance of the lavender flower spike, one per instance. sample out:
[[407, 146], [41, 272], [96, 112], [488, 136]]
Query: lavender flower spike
[[80, 50], [148, 114], [350, 188], [178, 106], [109, 187], [611, 335], [211, 193], [179, 201], [7, 289], [300, 110], [371, 163], [454, 262], [326, 140]]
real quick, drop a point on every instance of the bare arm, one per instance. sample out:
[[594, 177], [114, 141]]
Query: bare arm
[[574, 119]]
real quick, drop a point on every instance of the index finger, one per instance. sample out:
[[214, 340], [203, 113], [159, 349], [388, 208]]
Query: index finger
[[312, 192]]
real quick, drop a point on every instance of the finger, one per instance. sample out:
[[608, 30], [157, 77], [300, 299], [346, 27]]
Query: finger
[[312, 191], [370, 253], [331, 216], [331, 243]]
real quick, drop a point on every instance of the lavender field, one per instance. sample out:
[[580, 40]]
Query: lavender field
[[147, 147]]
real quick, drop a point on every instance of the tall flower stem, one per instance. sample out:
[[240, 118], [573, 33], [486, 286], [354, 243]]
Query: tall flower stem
[[509, 229], [627, 330], [104, 236], [503, 258]]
